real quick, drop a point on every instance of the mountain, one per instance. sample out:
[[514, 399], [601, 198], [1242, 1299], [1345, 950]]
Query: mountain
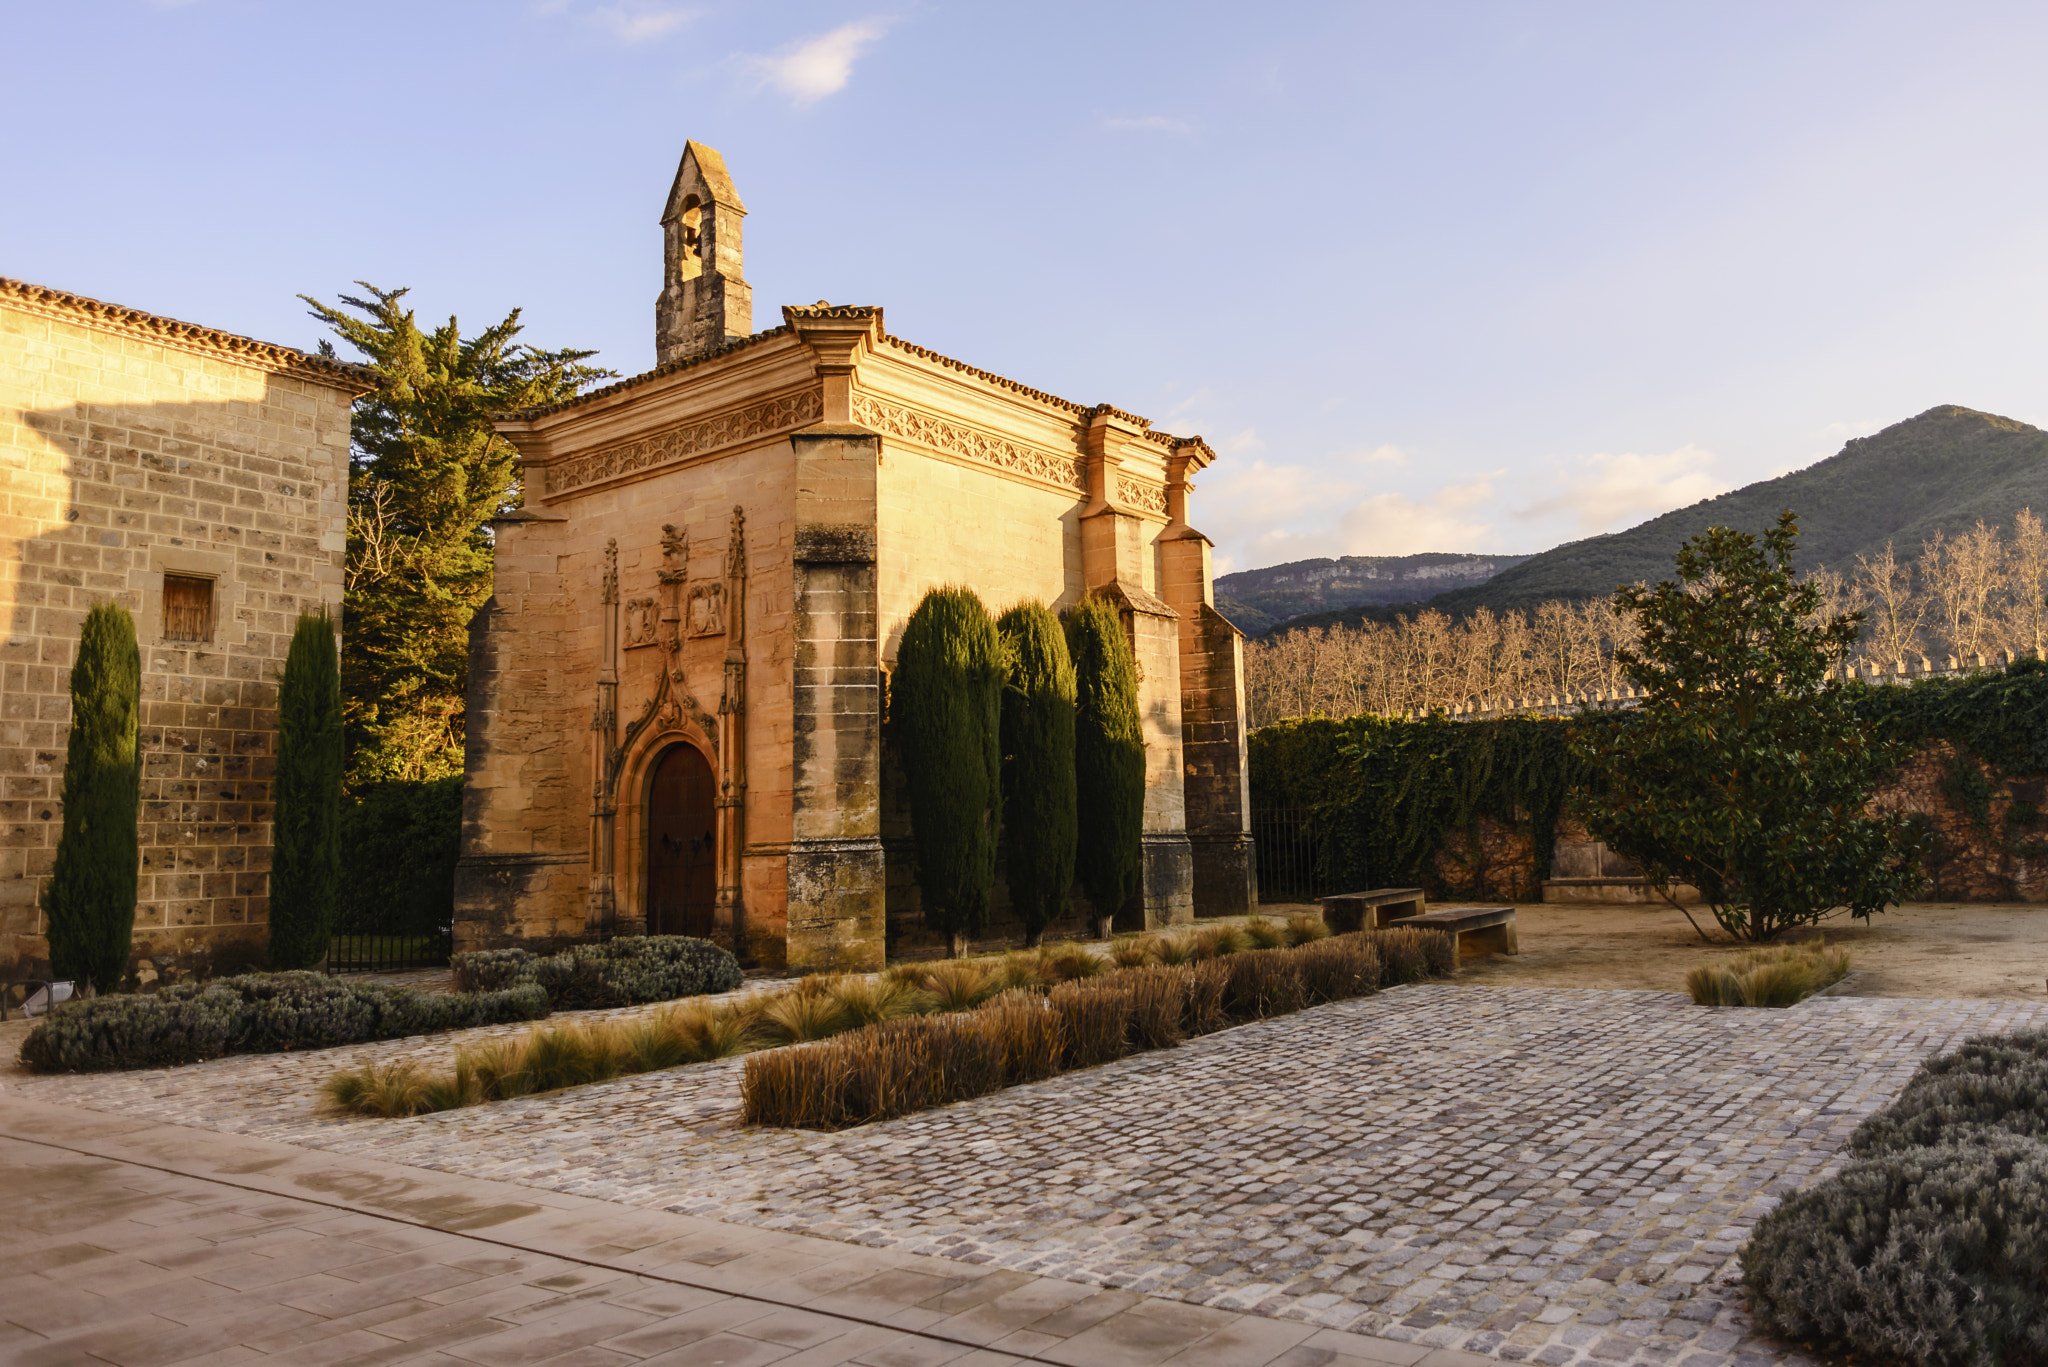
[[1941, 471], [1256, 599]]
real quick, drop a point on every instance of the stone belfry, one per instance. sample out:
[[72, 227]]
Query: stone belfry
[[704, 303]]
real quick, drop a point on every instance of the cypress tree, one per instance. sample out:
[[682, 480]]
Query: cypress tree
[[1040, 818], [89, 904], [1109, 759], [305, 859], [946, 705]]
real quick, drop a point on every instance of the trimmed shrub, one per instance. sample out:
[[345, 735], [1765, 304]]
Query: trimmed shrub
[[946, 705], [1935, 1256], [1337, 968], [89, 902], [305, 860], [903, 1066], [628, 971], [1989, 1085], [1109, 758], [255, 1014], [1409, 955], [1095, 1020], [1041, 825]]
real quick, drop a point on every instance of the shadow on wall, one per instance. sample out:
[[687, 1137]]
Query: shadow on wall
[[125, 497]]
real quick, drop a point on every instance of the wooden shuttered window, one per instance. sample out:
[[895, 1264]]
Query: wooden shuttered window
[[188, 608]]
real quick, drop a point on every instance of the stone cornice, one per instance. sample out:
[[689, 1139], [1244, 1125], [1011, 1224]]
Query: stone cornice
[[697, 437], [187, 337], [644, 377]]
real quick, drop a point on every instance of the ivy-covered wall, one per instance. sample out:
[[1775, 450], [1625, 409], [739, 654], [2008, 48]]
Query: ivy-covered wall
[[1474, 809]]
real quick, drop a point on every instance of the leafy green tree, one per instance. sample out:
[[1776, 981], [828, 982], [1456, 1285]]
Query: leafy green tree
[[427, 472], [1040, 817], [89, 902], [946, 705], [305, 858], [1109, 759], [1746, 772]]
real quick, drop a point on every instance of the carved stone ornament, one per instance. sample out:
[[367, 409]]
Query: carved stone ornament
[[1063, 471], [1146, 498], [690, 439], [642, 616], [707, 609]]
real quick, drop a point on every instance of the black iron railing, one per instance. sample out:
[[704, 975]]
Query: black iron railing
[[389, 953], [1287, 852]]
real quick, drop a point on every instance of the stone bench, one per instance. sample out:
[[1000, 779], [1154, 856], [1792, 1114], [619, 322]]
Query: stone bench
[[1351, 911], [1475, 930]]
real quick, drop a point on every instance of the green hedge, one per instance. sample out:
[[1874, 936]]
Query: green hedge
[[259, 1013], [1931, 1247], [399, 844], [623, 972], [1386, 796]]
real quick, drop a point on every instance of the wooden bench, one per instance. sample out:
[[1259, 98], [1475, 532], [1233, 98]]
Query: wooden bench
[[1351, 911], [1475, 930]]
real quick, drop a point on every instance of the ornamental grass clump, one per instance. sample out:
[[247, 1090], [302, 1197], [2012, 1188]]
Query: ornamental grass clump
[[1409, 955], [1132, 951], [1768, 977], [1261, 933]]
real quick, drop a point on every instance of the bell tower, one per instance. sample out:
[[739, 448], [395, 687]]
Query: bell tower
[[704, 302]]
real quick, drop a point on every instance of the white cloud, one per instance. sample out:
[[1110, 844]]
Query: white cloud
[[1243, 443], [1610, 492], [1380, 455], [631, 21], [810, 70], [1395, 524], [1148, 123], [637, 23]]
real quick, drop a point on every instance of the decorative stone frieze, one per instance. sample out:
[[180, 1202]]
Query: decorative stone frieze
[[786, 413]]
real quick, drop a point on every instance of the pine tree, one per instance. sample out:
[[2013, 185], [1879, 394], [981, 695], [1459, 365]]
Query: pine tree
[[89, 904], [305, 860], [1039, 812], [1109, 759], [426, 473], [946, 706]]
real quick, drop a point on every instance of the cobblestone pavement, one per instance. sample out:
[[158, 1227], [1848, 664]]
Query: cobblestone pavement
[[1548, 1175]]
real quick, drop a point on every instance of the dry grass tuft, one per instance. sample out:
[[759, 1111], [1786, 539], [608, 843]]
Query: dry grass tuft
[[870, 1001], [388, 1089], [1409, 955], [1337, 968], [1262, 933], [800, 1017], [1306, 929], [1069, 962], [1768, 977], [1132, 951], [1175, 950]]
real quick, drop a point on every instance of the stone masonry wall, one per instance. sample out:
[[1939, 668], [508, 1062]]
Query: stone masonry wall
[[124, 456]]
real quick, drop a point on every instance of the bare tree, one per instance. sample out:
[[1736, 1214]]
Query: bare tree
[[1963, 574], [1896, 611], [2026, 587]]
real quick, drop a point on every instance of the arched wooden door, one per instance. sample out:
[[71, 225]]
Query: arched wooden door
[[682, 875]]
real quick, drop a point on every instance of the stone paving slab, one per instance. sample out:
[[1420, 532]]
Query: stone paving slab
[[138, 1244], [1533, 1174]]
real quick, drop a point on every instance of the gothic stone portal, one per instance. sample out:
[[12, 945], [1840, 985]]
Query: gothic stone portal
[[682, 873]]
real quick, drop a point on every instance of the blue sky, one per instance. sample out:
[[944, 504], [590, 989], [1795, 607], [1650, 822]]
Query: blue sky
[[1428, 276]]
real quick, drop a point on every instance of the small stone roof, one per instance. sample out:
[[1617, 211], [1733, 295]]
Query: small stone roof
[[205, 341]]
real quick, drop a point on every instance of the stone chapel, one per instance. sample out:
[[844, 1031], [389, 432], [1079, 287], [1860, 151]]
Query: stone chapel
[[678, 692]]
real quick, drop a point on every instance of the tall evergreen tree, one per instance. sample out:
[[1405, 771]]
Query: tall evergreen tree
[[946, 706], [1109, 759], [305, 860], [1039, 813], [89, 903], [426, 473]]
